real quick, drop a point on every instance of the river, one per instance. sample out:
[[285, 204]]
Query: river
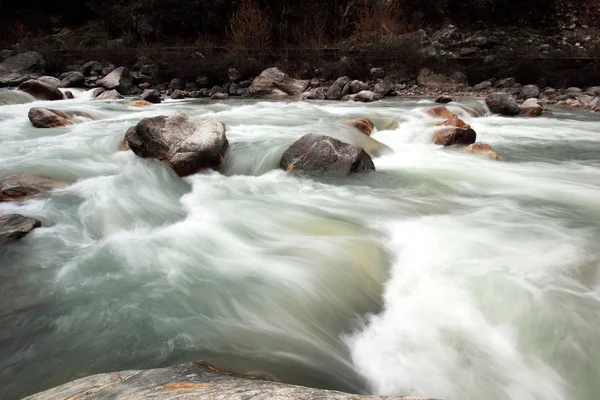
[[442, 275]]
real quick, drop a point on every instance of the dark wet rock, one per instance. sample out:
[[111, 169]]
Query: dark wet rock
[[49, 80], [273, 82], [187, 144], [69, 95], [532, 107], [178, 95], [120, 80], [502, 103], [357, 86], [377, 73], [21, 67], [505, 83], [19, 187], [529, 91], [215, 90], [336, 91], [175, 84], [454, 136], [109, 95], [234, 75], [73, 79], [480, 87], [190, 381], [364, 125], [219, 96], [203, 82], [324, 155], [594, 89], [483, 149], [516, 89], [14, 227], [95, 92], [139, 78], [41, 90], [443, 99], [152, 96], [91, 68], [41, 117], [384, 88]]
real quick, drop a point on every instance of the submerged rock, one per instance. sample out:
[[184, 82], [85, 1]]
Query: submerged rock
[[120, 80], [502, 103], [41, 90], [15, 226], [441, 112], [19, 187], [364, 125], [484, 150], [274, 82], [326, 156], [190, 381], [42, 117], [187, 144]]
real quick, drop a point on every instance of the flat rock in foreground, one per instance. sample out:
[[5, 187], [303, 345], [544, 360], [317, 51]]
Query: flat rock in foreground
[[190, 381], [14, 226], [187, 144], [325, 156]]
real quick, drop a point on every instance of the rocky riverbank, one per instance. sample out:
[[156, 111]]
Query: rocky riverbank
[[189, 381]]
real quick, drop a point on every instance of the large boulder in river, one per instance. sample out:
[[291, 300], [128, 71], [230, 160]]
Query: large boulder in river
[[41, 90], [532, 108], [18, 187], [42, 117], [21, 67], [15, 226], [190, 381], [365, 96], [339, 88], [454, 136], [529, 91], [276, 83], [326, 156], [187, 144], [73, 79], [120, 80], [151, 96], [502, 103]]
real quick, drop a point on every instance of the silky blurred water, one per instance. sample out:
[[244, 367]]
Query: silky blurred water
[[443, 274]]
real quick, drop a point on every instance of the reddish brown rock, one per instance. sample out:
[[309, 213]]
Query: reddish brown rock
[[454, 136], [364, 125], [484, 150], [441, 112]]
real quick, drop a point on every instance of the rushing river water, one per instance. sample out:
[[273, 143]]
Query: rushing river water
[[443, 274]]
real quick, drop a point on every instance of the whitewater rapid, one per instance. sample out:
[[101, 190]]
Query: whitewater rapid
[[442, 275]]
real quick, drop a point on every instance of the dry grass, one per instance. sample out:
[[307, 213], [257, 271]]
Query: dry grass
[[249, 26]]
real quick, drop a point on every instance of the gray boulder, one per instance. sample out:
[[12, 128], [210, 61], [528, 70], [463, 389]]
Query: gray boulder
[[505, 83], [384, 88], [187, 144], [21, 67], [120, 79], [151, 96], [73, 79], [529, 91], [190, 381], [358, 86], [108, 95], [91, 68], [365, 96], [14, 227], [325, 156], [319, 93], [482, 86], [178, 95], [41, 90], [336, 91], [502, 103], [49, 80], [276, 83], [19, 187]]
